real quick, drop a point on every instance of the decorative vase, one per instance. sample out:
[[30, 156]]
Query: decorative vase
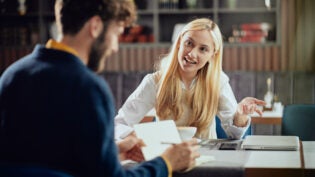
[[269, 95]]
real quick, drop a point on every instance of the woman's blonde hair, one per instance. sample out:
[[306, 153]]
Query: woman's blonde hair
[[203, 98]]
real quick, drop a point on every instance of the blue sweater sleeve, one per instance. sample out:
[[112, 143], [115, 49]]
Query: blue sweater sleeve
[[96, 146]]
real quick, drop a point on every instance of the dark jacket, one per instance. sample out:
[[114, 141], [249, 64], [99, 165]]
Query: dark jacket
[[57, 113]]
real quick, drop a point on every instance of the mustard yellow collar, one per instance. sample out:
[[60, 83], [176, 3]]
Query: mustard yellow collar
[[52, 44]]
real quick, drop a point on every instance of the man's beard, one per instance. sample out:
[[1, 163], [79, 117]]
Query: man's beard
[[98, 54]]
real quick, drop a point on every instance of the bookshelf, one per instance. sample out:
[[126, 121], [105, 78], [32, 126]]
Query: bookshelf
[[162, 15], [20, 32], [157, 18]]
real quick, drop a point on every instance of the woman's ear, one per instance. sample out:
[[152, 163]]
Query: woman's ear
[[96, 26]]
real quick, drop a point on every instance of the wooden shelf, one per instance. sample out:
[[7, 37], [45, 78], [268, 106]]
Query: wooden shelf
[[162, 20], [247, 10]]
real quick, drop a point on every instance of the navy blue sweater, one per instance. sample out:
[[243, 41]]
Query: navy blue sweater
[[57, 113]]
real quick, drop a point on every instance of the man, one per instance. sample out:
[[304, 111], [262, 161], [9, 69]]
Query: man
[[56, 113]]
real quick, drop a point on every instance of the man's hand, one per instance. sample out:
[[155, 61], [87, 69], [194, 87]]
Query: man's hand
[[182, 156], [130, 148]]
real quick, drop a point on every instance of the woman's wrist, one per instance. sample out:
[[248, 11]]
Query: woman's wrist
[[240, 120]]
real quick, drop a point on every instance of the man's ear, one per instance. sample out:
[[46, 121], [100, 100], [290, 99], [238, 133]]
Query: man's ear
[[96, 26]]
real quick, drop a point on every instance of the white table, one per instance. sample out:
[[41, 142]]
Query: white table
[[309, 154], [309, 157], [261, 163]]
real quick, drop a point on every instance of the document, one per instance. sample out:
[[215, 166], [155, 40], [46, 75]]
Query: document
[[122, 131], [158, 136]]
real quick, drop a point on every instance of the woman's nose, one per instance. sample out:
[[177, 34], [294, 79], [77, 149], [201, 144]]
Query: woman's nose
[[192, 53]]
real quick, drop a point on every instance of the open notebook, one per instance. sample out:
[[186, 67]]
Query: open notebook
[[158, 135], [269, 142]]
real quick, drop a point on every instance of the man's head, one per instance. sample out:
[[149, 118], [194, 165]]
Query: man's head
[[72, 15]]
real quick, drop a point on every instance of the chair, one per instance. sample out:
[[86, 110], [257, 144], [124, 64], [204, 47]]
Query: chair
[[221, 133], [299, 120], [27, 171]]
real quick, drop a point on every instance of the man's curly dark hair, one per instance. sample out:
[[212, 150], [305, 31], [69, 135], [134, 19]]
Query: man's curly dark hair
[[74, 13]]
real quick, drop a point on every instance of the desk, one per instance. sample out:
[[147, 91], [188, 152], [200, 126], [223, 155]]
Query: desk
[[257, 163], [268, 124], [309, 158], [269, 120], [268, 117], [274, 163]]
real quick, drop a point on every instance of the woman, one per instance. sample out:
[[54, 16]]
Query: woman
[[190, 87]]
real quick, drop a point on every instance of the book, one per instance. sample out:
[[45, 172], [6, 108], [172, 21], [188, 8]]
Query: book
[[256, 26], [250, 32]]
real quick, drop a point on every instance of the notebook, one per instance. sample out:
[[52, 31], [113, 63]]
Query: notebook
[[270, 142]]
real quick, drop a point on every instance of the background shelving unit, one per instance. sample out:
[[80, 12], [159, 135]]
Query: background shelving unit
[[252, 56], [226, 13], [18, 34], [159, 19]]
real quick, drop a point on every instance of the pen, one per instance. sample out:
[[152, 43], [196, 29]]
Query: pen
[[172, 143], [165, 142]]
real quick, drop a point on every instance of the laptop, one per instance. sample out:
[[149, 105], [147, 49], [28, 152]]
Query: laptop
[[270, 142]]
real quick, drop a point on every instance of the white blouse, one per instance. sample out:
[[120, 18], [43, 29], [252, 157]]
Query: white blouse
[[142, 100]]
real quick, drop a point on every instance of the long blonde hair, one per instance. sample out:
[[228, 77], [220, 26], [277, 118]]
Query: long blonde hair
[[203, 98]]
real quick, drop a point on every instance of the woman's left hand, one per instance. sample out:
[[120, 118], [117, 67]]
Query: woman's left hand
[[247, 106]]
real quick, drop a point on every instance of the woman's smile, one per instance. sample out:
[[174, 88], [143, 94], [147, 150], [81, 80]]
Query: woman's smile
[[189, 61]]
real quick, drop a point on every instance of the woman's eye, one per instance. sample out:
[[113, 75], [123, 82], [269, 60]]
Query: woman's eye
[[188, 43], [203, 49]]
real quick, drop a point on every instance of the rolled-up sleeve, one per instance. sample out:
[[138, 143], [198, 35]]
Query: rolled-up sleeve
[[227, 109]]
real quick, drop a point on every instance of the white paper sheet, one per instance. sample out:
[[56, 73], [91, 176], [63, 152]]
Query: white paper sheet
[[155, 134]]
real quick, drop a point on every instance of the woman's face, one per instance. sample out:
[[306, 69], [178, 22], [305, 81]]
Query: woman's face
[[196, 49]]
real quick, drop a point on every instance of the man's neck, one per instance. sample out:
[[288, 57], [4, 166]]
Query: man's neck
[[79, 45]]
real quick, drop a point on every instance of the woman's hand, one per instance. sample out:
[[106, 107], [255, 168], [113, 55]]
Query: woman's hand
[[247, 106], [130, 148]]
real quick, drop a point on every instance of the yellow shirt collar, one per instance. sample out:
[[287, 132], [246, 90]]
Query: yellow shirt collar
[[52, 44]]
